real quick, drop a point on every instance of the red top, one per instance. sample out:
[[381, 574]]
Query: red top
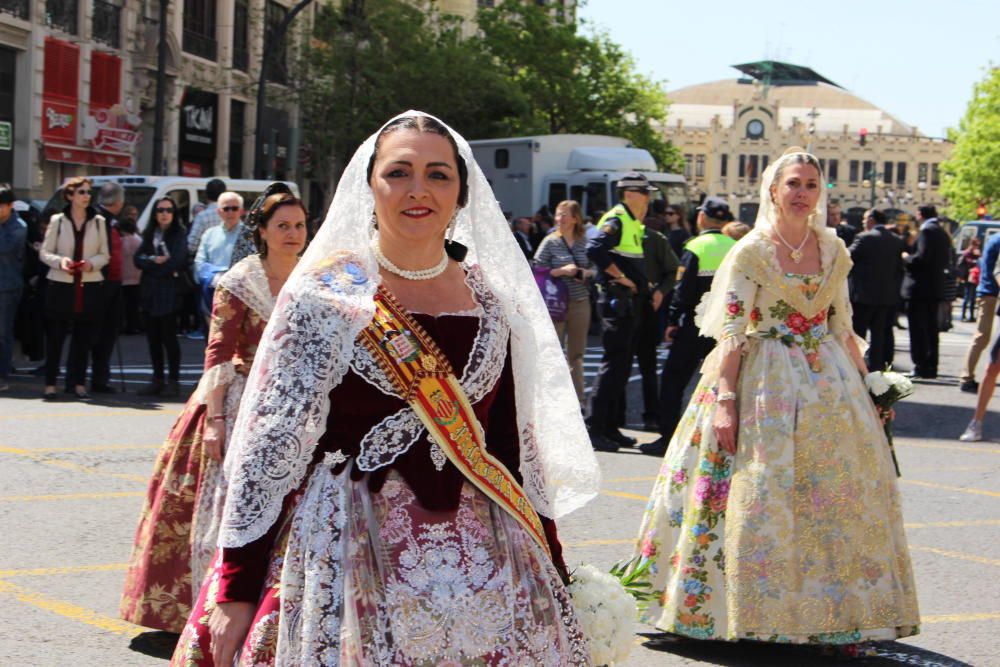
[[355, 407]]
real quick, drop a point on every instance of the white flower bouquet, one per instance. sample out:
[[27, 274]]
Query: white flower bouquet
[[886, 389], [606, 611]]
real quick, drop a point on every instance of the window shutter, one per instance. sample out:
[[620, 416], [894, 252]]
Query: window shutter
[[105, 80], [62, 70]]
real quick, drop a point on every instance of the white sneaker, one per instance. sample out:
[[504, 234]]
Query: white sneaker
[[973, 432]]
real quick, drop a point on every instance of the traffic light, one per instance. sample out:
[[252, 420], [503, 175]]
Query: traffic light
[[981, 211], [863, 136], [829, 186]]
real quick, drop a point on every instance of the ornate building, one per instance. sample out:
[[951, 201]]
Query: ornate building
[[730, 130]]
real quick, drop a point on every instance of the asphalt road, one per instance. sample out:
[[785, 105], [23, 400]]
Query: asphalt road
[[73, 475]]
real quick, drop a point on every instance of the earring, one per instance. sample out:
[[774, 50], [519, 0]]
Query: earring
[[451, 227], [372, 226]]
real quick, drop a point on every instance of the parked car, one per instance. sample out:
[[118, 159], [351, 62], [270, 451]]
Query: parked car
[[142, 191]]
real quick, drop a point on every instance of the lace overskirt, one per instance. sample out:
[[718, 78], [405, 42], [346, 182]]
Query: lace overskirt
[[362, 578]]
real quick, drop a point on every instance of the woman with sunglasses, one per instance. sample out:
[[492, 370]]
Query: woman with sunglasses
[[75, 248], [178, 526], [161, 257]]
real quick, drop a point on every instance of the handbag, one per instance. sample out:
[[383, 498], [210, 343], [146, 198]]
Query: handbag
[[555, 294]]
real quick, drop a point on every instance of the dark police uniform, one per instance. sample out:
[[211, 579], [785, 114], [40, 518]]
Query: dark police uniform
[[618, 242], [701, 259]]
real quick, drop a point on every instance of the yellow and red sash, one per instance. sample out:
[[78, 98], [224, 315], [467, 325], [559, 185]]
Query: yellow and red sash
[[423, 376]]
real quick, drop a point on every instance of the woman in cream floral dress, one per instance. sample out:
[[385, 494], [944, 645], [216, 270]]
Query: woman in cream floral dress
[[775, 515]]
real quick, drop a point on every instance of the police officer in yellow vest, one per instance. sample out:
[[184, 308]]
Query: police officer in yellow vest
[[617, 252], [702, 257]]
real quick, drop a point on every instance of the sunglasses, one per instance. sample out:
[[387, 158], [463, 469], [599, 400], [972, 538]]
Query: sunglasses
[[229, 209], [165, 209], [672, 213], [80, 192]]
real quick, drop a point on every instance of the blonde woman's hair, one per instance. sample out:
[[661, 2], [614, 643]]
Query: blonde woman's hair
[[736, 229], [574, 210]]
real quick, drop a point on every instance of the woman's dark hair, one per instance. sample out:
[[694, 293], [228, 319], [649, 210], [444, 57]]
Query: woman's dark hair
[[267, 211], [151, 226], [431, 126]]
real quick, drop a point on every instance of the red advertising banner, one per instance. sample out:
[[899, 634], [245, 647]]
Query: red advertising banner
[[59, 121]]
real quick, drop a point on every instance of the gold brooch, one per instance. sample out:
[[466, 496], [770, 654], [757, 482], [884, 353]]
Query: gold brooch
[[429, 363]]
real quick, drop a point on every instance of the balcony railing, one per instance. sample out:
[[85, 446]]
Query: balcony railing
[[18, 8], [200, 45], [107, 26], [61, 14]]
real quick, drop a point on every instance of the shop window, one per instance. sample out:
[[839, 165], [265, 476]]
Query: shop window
[[699, 166], [277, 70], [61, 14], [854, 168], [237, 129], [743, 166], [935, 174], [833, 167], [241, 53], [887, 172], [723, 165], [901, 174], [107, 23], [922, 172]]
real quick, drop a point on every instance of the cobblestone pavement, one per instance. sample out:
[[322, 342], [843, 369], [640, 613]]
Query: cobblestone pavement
[[72, 477]]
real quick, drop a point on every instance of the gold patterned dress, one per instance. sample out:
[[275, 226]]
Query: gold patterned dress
[[798, 537]]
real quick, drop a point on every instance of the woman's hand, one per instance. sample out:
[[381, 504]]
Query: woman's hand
[[86, 267], [66, 264], [569, 270], [724, 426], [160, 259], [229, 624], [886, 415], [214, 438]]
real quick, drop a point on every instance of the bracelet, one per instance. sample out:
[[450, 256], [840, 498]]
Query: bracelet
[[725, 396], [217, 418]]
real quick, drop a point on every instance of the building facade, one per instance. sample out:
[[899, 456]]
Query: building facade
[[78, 90], [729, 131]]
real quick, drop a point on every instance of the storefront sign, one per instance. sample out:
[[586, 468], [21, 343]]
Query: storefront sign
[[6, 136], [199, 111], [59, 121], [113, 129]]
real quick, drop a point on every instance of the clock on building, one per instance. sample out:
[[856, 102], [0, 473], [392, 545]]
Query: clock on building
[[755, 129]]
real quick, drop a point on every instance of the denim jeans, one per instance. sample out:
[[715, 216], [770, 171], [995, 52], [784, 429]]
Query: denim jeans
[[8, 310]]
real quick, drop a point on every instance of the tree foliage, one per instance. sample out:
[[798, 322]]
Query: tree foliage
[[527, 71], [973, 172], [369, 60], [574, 83]]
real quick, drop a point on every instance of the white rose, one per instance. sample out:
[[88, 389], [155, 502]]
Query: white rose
[[899, 381], [876, 383]]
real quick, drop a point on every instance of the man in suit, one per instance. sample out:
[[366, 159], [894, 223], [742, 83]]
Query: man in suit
[[522, 232], [924, 289], [874, 283], [834, 220]]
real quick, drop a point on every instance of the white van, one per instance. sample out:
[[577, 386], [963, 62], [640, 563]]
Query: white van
[[142, 191]]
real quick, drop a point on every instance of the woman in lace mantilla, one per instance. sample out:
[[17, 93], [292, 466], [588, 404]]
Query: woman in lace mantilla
[[776, 515], [179, 524], [352, 534]]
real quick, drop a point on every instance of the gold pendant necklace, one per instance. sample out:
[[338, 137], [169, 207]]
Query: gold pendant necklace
[[794, 252]]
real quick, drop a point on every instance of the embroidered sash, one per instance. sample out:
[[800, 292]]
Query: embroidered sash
[[423, 376]]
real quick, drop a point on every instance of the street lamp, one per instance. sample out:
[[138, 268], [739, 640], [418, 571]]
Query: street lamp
[[271, 44], [873, 180]]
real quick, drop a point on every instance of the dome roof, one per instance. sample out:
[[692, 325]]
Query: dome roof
[[697, 105]]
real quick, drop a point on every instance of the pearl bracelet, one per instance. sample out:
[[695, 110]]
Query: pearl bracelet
[[217, 418], [726, 396]]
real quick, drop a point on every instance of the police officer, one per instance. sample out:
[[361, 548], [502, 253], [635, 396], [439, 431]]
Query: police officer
[[702, 257], [616, 250]]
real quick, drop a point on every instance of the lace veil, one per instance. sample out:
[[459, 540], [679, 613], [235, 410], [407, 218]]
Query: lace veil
[[309, 343], [710, 316]]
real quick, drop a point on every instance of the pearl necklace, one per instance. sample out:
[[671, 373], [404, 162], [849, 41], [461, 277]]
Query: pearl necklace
[[422, 274], [795, 252]]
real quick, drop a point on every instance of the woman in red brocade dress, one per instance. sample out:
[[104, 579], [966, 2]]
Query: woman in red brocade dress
[[353, 533], [179, 524]]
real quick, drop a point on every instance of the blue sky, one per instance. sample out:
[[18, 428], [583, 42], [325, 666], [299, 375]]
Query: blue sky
[[916, 59]]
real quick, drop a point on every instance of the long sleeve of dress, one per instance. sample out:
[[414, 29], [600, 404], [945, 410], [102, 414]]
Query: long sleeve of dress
[[228, 314], [741, 297]]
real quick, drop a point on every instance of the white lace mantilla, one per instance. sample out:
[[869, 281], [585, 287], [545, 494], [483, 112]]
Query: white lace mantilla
[[247, 281], [309, 344], [393, 436]]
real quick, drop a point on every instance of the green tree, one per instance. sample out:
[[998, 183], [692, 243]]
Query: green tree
[[574, 83], [369, 60], [973, 172]]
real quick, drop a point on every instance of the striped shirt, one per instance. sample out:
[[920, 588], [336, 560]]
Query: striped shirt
[[554, 253]]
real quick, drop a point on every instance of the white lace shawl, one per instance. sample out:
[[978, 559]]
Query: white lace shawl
[[247, 281], [309, 345]]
